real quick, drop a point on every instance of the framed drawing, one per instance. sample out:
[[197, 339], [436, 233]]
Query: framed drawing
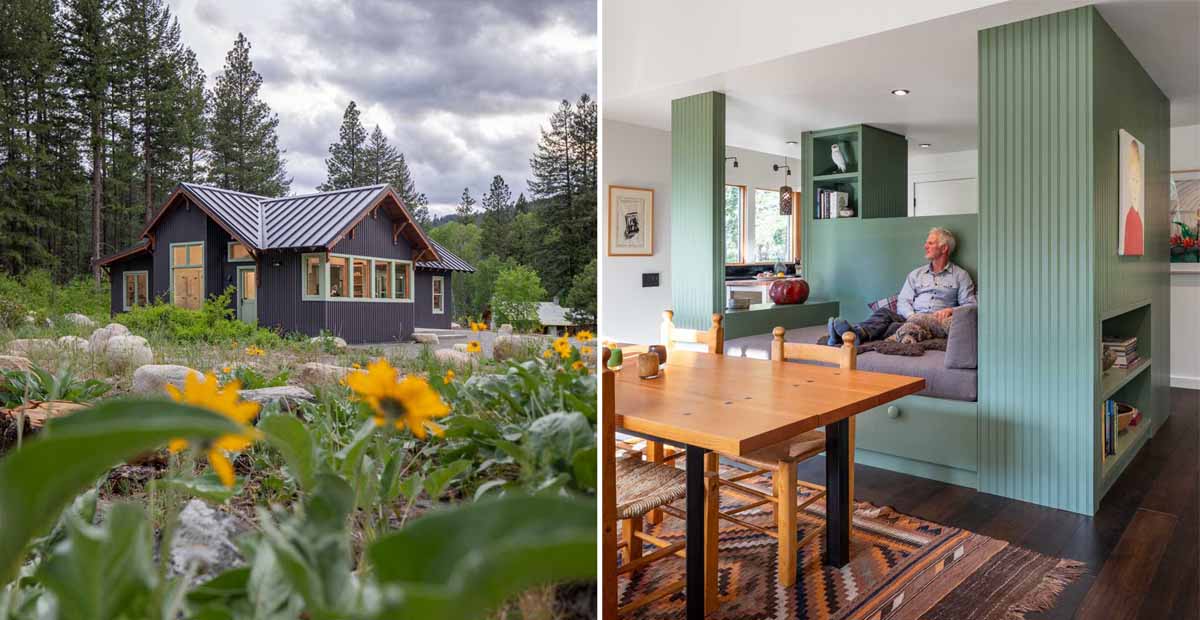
[[1132, 213], [630, 221]]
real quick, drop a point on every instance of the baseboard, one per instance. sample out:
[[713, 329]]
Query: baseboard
[[933, 471], [1190, 383]]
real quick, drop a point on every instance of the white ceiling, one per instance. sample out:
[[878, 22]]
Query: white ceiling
[[842, 83]]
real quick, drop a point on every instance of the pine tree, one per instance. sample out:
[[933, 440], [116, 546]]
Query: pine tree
[[244, 148], [402, 181], [466, 206], [380, 159], [346, 165], [193, 121], [497, 219]]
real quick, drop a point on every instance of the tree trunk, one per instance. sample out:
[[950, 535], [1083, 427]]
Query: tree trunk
[[97, 190]]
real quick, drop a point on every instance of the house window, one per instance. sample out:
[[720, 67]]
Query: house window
[[187, 274], [403, 278], [360, 283], [383, 279], [312, 274], [136, 292], [238, 253], [735, 210], [772, 236], [439, 295], [339, 276]]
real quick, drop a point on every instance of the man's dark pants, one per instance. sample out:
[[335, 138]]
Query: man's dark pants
[[881, 324]]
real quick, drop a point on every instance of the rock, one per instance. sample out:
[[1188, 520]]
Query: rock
[[333, 341], [288, 396], [74, 343], [203, 542], [26, 346], [128, 352], [425, 338], [14, 362], [508, 347], [154, 378], [317, 373], [460, 346], [505, 329], [453, 356], [455, 326], [99, 338], [78, 320]]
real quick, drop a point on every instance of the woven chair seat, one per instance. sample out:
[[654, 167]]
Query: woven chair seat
[[793, 450], [643, 486]]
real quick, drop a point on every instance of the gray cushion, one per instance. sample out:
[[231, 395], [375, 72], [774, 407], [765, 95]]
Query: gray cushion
[[962, 346], [940, 382]]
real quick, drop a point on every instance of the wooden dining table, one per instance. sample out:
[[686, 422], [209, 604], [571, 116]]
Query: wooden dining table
[[705, 402]]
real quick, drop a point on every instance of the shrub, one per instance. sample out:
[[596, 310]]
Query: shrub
[[518, 291], [214, 322], [18, 386], [40, 294], [12, 313]]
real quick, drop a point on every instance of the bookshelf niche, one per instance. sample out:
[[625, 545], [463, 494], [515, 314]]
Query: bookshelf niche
[[874, 183], [1128, 382]]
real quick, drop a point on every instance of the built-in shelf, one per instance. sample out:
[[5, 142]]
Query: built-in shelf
[[1123, 309], [1128, 444], [1113, 379], [841, 176]]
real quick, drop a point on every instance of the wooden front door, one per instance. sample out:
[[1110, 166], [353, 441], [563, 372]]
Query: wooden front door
[[247, 288], [188, 287]]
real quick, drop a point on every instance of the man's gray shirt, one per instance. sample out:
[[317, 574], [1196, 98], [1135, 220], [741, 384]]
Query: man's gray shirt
[[926, 291]]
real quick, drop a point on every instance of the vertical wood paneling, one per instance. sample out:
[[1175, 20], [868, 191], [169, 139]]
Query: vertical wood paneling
[[884, 178], [697, 209], [1038, 337], [184, 222]]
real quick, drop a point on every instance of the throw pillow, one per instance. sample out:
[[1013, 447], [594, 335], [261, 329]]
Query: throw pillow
[[962, 345], [887, 302]]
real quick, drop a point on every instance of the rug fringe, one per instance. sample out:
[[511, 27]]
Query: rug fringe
[[1046, 593]]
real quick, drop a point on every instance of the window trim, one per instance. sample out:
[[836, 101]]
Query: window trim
[[229, 253], [742, 233], [369, 289], [125, 288], [171, 262], [433, 295], [792, 255]]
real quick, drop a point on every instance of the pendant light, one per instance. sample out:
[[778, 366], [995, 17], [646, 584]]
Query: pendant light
[[785, 192]]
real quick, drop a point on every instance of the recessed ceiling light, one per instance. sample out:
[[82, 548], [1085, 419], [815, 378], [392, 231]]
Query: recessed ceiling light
[[792, 143], [900, 92], [925, 145]]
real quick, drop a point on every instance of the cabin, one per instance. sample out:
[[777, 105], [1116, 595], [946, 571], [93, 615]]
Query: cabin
[[352, 263]]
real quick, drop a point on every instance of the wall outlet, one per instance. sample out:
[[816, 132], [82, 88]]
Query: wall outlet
[[649, 280]]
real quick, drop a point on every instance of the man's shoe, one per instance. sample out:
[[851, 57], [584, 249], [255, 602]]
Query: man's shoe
[[835, 337], [842, 326]]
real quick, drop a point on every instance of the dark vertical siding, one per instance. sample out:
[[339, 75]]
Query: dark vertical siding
[[279, 301], [364, 321], [219, 273], [373, 237], [424, 300], [184, 222], [116, 271]]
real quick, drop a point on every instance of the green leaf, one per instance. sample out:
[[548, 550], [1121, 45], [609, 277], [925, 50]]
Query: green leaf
[[410, 487], [438, 479], [488, 486], [100, 572], [37, 481], [351, 455], [463, 562], [230, 584], [207, 487], [584, 466], [289, 435]]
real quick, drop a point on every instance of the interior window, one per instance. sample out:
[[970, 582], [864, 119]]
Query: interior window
[[383, 279], [312, 276], [402, 280], [734, 196], [360, 278], [339, 276], [772, 232], [136, 289]]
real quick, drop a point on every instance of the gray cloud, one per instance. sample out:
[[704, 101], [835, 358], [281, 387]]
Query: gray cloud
[[460, 87]]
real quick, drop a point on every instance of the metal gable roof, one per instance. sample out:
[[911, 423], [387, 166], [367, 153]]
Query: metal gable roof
[[448, 262], [314, 219], [238, 211]]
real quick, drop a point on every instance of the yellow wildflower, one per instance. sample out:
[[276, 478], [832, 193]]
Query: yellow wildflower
[[474, 346], [409, 402], [562, 345], [579, 365], [564, 354], [223, 400], [547, 353], [585, 350], [356, 366], [476, 327], [448, 377], [584, 336], [226, 370]]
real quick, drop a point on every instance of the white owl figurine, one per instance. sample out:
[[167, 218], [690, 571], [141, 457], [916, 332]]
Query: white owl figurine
[[839, 158]]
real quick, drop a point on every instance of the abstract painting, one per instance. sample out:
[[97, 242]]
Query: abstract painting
[[630, 221], [1132, 213]]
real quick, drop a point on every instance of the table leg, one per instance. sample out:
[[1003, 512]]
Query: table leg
[[695, 532], [837, 489]]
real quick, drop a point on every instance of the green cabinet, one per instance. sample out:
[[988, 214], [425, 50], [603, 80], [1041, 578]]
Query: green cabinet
[[875, 177]]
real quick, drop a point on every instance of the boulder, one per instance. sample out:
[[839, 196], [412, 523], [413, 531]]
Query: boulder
[[508, 347], [154, 378], [505, 329], [14, 362], [460, 346], [288, 396], [317, 373], [425, 338], [333, 341], [455, 326], [78, 320], [74, 343], [99, 338], [128, 352], [203, 543], [26, 346], [453, 356]]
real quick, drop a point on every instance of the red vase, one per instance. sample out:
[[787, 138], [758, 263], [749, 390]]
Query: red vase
[[794, 291]]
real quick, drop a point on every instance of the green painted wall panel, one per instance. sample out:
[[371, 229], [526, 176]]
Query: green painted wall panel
[[884, 183], [697, 208], [739, 323], [1037, 364]]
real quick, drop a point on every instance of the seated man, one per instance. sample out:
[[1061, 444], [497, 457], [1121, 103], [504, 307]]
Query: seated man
[[927, 301]]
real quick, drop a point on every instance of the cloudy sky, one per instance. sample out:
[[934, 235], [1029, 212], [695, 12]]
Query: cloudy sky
[[459, 87]]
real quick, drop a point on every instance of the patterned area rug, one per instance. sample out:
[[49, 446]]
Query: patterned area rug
[[901, 568]]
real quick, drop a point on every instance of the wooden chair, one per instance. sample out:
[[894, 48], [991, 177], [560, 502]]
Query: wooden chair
[[779, 462], [630, 487]]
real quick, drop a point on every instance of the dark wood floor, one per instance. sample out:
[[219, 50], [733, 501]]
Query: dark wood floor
[[1142, 548]]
